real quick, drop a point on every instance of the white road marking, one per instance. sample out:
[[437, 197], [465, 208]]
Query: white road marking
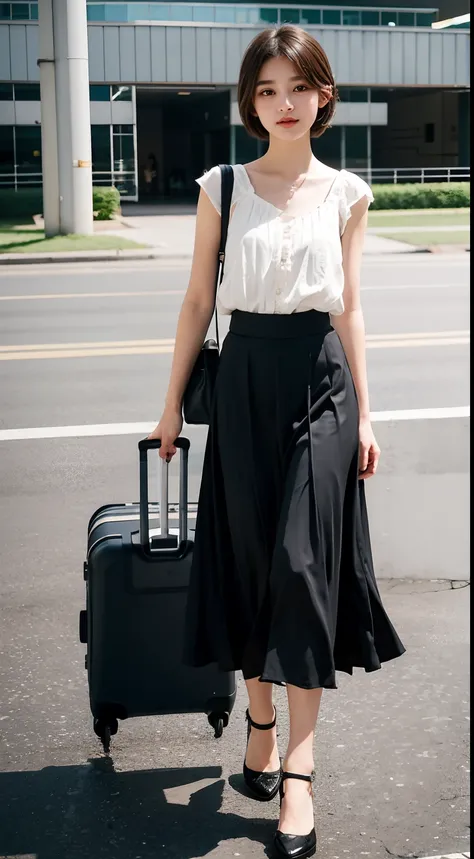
[[145, 427], [422, 414], [53, 296], [61, 295], [450, 856]]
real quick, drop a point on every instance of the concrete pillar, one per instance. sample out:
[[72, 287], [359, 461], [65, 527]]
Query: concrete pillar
[[73, 116], [48, 119]]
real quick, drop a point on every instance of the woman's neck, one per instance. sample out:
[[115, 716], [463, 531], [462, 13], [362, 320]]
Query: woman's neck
[[289, 159]]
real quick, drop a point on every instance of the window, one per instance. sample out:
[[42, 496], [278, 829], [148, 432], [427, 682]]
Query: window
[[379, 95], [116, 12], [139, 12], [332, 17], [268, 16], [6, 92], [290, 16], [124, 154], [370, 19], [124, 160], [246, 147], [353, 94], [350, 18], [34, 12], [95, 13], [180, 13], [311, 16], [121, 93], [28, 149], [20, 12], [406, 19], [389, 19], [203, 13], [27, 92], [225, 15], [429, 132], [328, 147], [356, 146], [7, 151], [160, 12], [424, 19], [99, 92], [5, 12], [100, 138]]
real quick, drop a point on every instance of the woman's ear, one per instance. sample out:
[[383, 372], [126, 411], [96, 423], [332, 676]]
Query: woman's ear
[[325, 95]]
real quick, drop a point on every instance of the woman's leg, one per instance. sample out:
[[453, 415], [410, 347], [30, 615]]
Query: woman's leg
[[262, 751], [296, 816]]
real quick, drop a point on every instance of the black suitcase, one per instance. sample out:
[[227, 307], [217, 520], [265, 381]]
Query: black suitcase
[[137, 582]]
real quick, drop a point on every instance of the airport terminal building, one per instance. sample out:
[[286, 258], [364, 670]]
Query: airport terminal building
[[163, 82]]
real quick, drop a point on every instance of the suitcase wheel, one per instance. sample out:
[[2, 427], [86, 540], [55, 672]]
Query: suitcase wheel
[[105, 729], [218, 721]]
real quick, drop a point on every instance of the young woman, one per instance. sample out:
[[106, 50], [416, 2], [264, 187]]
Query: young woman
[[282, 584]]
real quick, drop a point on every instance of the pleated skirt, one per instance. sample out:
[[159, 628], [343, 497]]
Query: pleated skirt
[[282, 581]]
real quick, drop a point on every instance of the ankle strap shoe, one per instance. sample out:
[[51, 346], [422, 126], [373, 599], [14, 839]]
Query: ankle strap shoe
[[294, 846], [263, 786]]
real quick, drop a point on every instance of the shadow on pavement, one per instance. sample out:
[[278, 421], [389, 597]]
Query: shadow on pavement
[[93, 812]]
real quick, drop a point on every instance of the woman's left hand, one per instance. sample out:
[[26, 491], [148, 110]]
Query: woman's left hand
[[369, 451]]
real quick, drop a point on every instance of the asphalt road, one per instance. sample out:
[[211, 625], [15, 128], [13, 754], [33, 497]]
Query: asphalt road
[[391, 747]]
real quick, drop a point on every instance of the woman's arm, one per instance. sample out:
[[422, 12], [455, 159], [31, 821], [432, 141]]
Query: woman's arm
[[193, 322], [351, 330]]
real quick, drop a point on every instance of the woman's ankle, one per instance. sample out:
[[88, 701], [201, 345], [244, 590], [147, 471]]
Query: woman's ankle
[[295, 763]]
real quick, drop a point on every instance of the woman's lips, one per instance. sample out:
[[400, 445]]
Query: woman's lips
[[287, 122]]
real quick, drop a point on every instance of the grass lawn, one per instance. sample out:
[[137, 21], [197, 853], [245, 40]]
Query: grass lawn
[[427, 239], [18, 240], [419, 218]]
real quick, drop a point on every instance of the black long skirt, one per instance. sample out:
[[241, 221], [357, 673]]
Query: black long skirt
[[282, 581]]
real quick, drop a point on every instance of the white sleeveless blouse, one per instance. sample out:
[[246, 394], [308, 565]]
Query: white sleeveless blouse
[[276, 263]]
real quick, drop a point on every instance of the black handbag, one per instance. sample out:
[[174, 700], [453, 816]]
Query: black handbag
[[199, 392]]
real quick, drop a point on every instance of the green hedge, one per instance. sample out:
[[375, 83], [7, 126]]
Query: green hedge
[[29, 201], [106, 203], [440, 195]]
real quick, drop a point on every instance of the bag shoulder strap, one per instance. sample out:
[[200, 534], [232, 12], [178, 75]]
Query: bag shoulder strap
[[227, 187]]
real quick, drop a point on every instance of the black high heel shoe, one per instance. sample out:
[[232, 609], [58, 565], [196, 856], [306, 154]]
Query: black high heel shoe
[[262, 785], [294, 846]]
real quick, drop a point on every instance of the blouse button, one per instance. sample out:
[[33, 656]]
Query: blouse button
[[278, 292]]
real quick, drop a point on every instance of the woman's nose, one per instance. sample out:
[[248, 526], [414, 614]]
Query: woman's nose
[[286, 104]]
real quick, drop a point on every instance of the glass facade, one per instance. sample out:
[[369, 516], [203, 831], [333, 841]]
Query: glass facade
[[234, 13], [20, 156]]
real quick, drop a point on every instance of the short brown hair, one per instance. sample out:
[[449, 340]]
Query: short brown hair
[[310, 59]]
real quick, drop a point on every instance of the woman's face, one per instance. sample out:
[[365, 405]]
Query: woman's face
[[282, 94]]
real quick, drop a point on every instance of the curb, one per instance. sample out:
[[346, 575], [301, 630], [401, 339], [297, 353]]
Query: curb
[[128, 255], [88, 256]]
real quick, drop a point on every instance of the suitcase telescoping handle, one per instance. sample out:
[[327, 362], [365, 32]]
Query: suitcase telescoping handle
[[154, 444]]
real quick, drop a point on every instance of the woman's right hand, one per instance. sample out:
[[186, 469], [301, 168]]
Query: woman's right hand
[[167, 431]]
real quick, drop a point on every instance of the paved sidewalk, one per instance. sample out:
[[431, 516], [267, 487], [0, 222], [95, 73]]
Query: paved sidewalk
[[167, 236]]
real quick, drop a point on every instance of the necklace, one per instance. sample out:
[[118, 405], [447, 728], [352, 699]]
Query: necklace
[[295, 188]]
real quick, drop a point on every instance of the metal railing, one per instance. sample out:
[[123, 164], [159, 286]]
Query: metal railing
[[125, 181], [403, 175]]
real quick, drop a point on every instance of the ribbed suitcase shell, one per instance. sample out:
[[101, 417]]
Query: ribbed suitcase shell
[[134, 625]]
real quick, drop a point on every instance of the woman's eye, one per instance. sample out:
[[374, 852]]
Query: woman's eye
[[301, 87], [266, 91]]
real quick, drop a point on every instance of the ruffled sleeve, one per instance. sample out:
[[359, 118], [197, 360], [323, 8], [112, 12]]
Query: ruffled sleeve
[[211, 182], [354, 189]]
